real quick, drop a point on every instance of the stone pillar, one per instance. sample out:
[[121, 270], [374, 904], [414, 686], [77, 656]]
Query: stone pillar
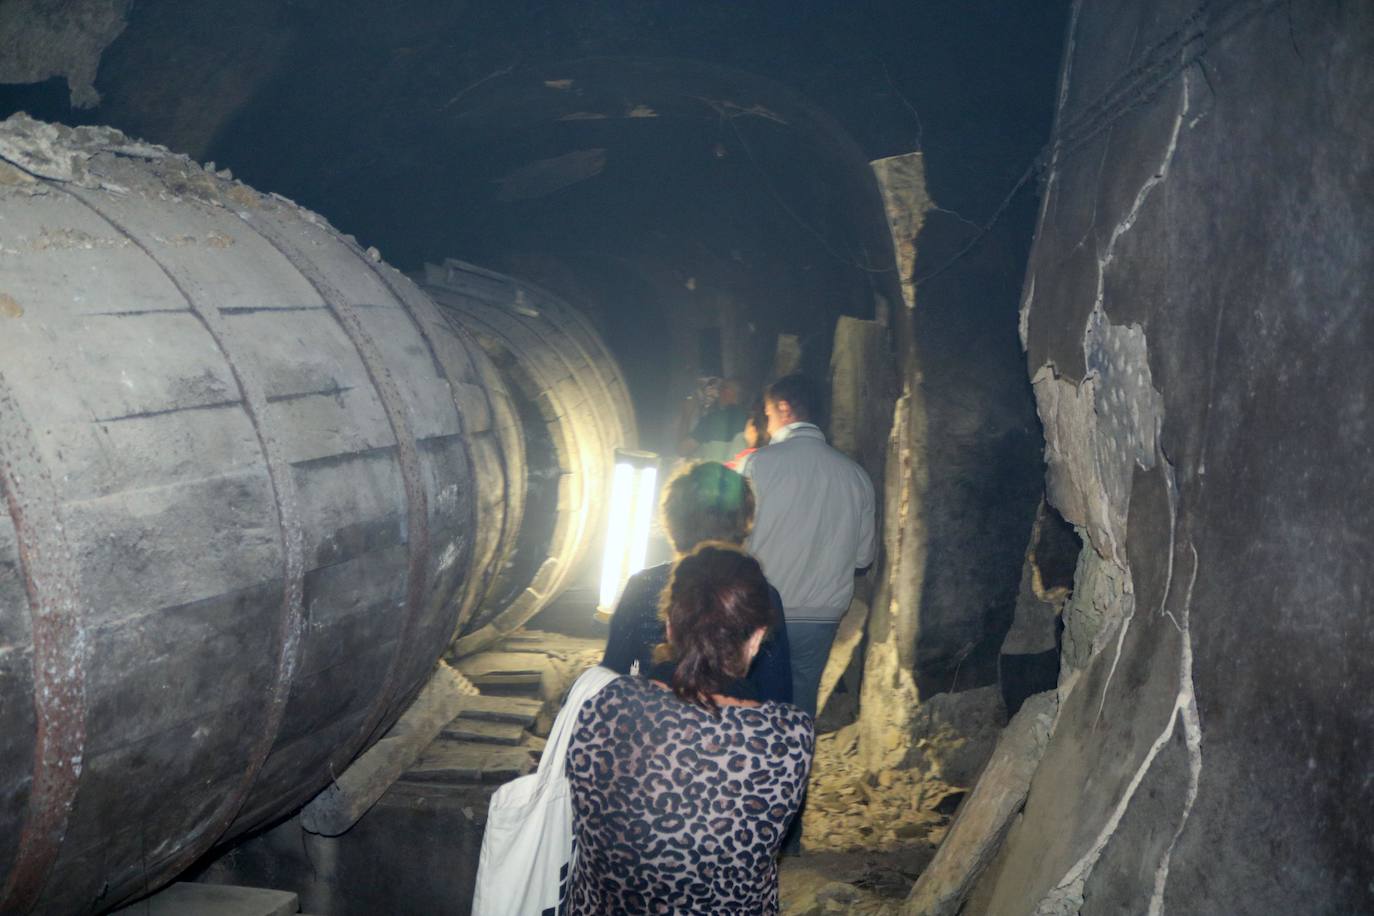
[[889, 700]]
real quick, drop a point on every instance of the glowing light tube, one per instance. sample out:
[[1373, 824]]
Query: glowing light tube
[[628, 522], [638, 549]]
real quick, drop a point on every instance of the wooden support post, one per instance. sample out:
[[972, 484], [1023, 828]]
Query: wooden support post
[[357, 789]]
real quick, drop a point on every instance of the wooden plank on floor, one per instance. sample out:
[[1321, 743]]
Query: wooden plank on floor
[[484, 732], [523, 637], [518, 710], [508, 679], [551, 643], [505, 669], [214, 900], [458, 762]]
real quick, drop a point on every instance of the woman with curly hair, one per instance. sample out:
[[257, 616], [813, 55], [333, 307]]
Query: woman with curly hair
[[682, 793]]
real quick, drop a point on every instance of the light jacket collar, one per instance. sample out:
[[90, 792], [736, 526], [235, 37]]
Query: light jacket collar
[[799, 429]]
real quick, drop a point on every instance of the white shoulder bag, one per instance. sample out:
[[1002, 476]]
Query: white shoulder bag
[[527, 846]]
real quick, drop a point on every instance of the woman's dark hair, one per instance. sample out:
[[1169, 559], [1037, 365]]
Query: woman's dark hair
[[715, 600], [758, 415], [707, 502]]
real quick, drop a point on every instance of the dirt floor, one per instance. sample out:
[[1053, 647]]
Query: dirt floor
[[862, 883], [865, 839]]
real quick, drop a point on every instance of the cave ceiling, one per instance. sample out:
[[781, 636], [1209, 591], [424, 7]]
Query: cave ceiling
[[615, 150]]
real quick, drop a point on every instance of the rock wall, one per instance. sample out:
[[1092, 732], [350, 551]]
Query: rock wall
[[973, 447], [40, 39], [1197, 322]]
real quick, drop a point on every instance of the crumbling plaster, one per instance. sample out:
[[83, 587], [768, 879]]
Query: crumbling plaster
[[1099, 433]]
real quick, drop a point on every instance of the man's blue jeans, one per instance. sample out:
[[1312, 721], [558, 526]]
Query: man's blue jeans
[[810, 648]]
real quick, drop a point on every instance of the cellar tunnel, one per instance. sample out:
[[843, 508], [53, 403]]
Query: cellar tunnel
[[1007, 238], [648, 165]]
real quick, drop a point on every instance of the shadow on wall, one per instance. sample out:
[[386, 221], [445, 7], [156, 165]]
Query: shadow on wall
[[983, 454]]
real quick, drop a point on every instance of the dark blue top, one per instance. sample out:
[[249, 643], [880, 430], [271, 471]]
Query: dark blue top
[[636, 629]]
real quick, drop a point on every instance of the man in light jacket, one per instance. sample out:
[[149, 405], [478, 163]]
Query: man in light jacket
[[813, 527]]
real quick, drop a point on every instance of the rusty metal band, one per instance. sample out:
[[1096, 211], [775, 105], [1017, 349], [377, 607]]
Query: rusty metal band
[[407, 455], [582, 436], [59, 656], [575, 329], [606, 428], [287, 504], [474, 586], [512, 499], [619, 391], [512, 459], [448, 313]]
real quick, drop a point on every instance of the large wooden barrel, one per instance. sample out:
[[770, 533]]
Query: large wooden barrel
[[252, 479], [575, 411]]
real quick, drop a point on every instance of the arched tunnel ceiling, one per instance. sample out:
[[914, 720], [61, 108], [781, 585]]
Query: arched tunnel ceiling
[[647, 159], [971, 83], [640, 158]]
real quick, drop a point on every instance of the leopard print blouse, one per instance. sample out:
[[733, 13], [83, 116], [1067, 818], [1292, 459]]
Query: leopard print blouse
[[677, 809]]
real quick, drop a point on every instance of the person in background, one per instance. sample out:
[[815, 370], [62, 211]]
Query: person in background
[[814, 527], [695, 405], [681, 793], [755, 437], [712, 435], [704, 502]]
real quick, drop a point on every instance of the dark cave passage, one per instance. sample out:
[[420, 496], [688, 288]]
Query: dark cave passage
[[322, 332]]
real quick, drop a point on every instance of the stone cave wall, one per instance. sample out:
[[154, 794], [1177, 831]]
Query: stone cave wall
[[41, 39], [1198, 329]]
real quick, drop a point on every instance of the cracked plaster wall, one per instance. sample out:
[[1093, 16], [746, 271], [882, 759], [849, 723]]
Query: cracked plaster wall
[[1197, 323]]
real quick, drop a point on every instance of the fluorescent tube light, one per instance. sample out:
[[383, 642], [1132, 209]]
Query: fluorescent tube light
[[628, 523]]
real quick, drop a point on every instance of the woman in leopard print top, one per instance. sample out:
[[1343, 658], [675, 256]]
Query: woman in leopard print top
[[681, 794]]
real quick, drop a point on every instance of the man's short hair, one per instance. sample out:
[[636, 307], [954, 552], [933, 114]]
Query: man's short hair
[[800, 393], [707, 502]]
